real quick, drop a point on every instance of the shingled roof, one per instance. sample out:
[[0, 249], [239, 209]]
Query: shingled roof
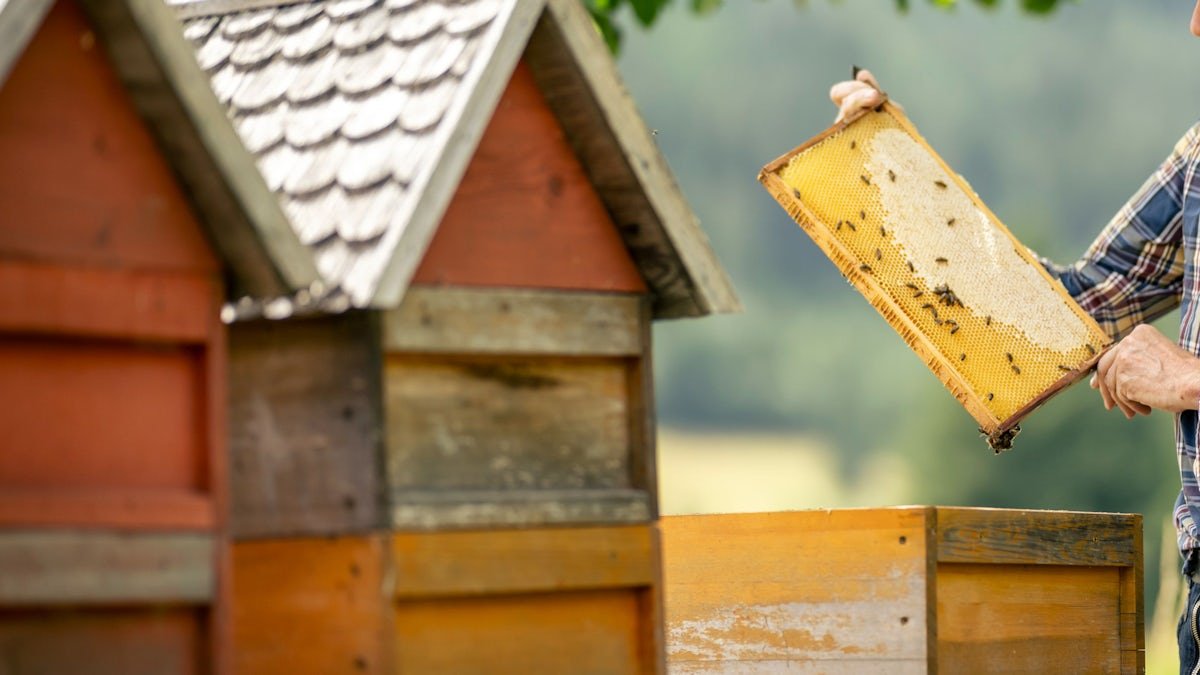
[[144, 44], [363, 115]]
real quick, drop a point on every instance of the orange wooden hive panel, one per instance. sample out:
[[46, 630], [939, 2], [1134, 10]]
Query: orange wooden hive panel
[[904, 590]]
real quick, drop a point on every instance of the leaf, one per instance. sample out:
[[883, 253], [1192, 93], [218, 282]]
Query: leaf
[[647, 11], [702, 7]]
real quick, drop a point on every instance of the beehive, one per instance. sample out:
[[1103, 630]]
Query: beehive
[[908, 589], [912, 237]]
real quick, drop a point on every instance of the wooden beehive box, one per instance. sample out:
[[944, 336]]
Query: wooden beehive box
[[119, 233], [912, 236], [443, 461], [904, 590]]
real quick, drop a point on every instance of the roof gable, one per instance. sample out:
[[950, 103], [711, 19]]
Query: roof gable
[[363, 116], [146, 49]]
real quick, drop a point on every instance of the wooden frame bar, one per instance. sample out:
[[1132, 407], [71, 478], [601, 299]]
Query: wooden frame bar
[[510, 321], [72, 567], [870, 287]]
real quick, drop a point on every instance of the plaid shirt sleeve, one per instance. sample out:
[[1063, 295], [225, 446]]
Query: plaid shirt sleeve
[[1133, 272]]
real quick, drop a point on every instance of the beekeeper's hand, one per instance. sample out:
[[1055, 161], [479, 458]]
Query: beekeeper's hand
[[853, 96]]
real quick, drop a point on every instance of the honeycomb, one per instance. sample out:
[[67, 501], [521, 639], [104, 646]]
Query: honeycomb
[[914, 238]]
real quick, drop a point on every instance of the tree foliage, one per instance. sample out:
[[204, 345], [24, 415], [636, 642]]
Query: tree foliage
[[647, 11]]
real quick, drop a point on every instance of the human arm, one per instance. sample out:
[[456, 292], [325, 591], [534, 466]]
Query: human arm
[[1132, 274]]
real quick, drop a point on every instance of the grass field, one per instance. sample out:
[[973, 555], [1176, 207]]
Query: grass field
[[733, 473]]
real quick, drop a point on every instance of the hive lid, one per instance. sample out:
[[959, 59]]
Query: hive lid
[[913, 237]]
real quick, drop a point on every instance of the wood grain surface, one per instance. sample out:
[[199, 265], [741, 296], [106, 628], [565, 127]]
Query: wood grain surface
[[514, 321], [507, 424], [793, 588], [159, 641], [525, 214], [81, 568], [310, 605], [500, 562], [305, 418]]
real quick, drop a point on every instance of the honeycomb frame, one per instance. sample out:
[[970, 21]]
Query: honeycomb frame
[[993, 392]]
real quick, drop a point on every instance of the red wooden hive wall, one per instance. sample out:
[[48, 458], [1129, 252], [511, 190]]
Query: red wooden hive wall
[[525, 214], [111, 358]]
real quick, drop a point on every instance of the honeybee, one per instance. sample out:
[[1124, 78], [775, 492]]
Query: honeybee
[[940, 260], [940, 184], [892, 175], [951, 222], [865, 180]]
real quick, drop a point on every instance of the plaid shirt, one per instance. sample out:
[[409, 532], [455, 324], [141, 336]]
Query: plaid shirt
[[1143, 264]]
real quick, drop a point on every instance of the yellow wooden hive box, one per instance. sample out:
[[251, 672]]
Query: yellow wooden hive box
[[919, 244]]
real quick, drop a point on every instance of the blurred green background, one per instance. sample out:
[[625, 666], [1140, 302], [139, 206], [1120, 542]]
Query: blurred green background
[[808, 399]]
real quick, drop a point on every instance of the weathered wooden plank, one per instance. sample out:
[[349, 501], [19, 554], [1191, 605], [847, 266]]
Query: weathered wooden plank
[[1027, 619], [421, 510], [58, 401], [579, 79], [507, 424], [575, 632], [117, 508], [498, 562], [40, 568], [159, 641], [643, 421], [790, 588], [1132, 608], [545, 226], [305, 415], [92, 301], [311, 605], [1037, 537], [506, 321]]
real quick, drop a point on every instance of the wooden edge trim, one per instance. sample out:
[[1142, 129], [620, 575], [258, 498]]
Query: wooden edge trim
[[492, 562], [458, 136], [1005, 536], [260, 245], [124, 510], [931, 605], [643, 416], [711, 287], [77, 567], [190, 9], [875, 294], [1062, 383], [477, 321], [465, 509], [19, 22]]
